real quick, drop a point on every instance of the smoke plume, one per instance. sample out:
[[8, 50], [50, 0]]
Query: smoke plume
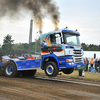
[[38, 8]]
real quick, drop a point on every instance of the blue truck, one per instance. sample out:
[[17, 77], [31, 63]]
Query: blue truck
[[61, 50]]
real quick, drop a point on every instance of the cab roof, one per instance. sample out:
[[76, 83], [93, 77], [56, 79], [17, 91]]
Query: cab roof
[[59, 31]]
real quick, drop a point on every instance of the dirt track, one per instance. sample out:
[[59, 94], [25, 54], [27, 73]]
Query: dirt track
[[22, 88]]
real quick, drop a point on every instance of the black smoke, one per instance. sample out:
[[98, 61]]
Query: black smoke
[[38, 8]]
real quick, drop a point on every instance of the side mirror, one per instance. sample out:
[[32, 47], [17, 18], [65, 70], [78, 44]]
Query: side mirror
[[58, 40], [57, 35]]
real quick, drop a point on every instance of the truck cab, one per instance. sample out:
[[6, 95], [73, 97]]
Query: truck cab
[[63, 48]]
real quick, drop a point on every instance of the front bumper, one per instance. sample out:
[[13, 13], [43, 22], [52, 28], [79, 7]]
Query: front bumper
[[63, 64]]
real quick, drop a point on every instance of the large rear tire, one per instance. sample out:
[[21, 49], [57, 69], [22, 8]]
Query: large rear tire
[[68, 71], [28, 73], [51, 69], [10, 70]]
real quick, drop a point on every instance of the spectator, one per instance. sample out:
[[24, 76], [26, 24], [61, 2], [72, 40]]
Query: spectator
[[96, 65], [84, 61], [21, 55], [84, 64], [87, 63], [25, 57], [32, 57], [99, 65], [92, 62], [15, 56], [28, 57], [11, 56], [8, 55]]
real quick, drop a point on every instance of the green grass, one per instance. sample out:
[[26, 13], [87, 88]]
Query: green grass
[[75, 74], [88, 75]]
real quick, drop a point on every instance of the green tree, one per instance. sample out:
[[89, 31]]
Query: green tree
[[99, 47], [7, 45], [85, 48], [33, 47], [90, 47], [18, 49]]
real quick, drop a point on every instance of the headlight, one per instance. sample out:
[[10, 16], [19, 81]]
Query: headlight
[[69, 60]]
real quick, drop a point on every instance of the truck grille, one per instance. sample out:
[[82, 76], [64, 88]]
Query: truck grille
[[78, 59], [77, 52], [78, 56]]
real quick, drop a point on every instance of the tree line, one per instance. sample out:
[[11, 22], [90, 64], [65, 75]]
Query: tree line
[[9, 48], [90, 47]]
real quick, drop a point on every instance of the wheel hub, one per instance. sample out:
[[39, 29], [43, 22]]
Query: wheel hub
[[9, 69], [50, 69]]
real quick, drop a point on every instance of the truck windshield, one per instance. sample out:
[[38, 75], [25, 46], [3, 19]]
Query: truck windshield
[[71, 39]]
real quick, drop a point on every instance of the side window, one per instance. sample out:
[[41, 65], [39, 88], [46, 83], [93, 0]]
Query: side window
[[53, 39]]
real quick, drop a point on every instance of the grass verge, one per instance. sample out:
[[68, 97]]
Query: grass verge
[[75, 74]]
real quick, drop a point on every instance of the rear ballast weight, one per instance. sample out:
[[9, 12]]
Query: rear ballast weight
[[60, 51]]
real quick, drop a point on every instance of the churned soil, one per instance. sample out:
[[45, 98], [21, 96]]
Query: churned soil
[[31, 88]]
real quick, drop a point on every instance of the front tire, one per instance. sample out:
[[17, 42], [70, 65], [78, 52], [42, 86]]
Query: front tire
[[68, 71], [10, 70], [51, 69]]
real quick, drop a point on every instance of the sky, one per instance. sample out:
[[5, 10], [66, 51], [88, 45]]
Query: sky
[[83, 15]]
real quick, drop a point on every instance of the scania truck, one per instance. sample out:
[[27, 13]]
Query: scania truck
[[61, 50]]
